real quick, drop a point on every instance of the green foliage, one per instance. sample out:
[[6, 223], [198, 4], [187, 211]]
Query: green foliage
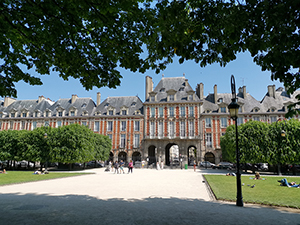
[[263, 142], [67, 144]]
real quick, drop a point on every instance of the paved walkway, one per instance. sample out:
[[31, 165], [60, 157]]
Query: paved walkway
[[144, 197]]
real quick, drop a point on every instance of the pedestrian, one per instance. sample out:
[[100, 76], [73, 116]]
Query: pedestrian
[[110, 166], [195, 166], [157, 166], [162, 165], [122, 167], [143, 164], [130, 166], [116, 167]]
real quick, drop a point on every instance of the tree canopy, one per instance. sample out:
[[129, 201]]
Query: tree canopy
[[88, 39]]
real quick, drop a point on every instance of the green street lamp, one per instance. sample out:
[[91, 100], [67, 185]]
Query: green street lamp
[[233, 111]]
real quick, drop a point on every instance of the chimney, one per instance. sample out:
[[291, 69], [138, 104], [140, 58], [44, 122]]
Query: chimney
[[8, 101], [244, 92], [215, 94], [41, 98], [186, 82], [74, 97], [98, 98], [200, 91], [149, 86], [271, 91]]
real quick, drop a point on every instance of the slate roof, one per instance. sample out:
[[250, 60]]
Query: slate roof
[[132, 103], [26, 105], [80, 104], [173, 83]]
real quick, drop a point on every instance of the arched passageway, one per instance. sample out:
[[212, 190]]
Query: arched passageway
[[192, 154], [136, 156], [151, 155], [122, 156], [210, 157], [172, 154]]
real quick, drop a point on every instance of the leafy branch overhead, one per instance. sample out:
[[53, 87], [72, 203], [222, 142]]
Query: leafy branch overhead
[[88, 39]]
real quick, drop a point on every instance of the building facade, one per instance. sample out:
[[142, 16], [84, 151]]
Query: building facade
[[175, 124]]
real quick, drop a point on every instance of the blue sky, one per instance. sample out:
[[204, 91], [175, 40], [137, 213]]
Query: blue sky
[[246, 73]]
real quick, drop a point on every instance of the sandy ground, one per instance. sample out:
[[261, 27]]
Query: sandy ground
[[143, 197]]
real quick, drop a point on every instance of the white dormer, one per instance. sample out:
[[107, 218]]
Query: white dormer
[[255, 109], [171, 95], [111, 111], [60, 111], [73, 111], [123, 111], [47, 113], [13, 113]]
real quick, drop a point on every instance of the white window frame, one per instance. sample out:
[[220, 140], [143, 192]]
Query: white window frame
[[208, 140], [208, 122], [136, 125], [223, 122], [182, 111], [97, 126], [122, 140], [191, 111], [109, 125], [191, 128], [182, 129], [152, 112], [136, 143], [161, 112], [171, 111], [171, 129], [160, 129], [152, 129], [123, 125]]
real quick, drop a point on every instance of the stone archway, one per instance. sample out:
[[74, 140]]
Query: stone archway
[[136, 156], [172, 154], [192, 155], [209, 156], [122, 156], [151, 155]]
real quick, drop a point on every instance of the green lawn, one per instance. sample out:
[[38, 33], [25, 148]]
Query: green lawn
[[13, 177], [266, 191]]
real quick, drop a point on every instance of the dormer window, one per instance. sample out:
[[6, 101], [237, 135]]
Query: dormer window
[[190, 97], [12, 115], [256, 110], [60, 114], [171, 97], [36, 114], [107, 104], [223, 109], [72, 113], [83, 105], [124, 112], [110, 112], [162, 90], [220, 100], [152, 98], [133, 104], [181, 89]]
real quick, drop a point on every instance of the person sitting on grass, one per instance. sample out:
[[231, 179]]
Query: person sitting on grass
[[4, 171], [257, 177], [37, 172], [284, 182], [230, 174]]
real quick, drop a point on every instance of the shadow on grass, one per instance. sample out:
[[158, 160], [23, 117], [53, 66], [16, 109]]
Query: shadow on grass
[[83, 209]]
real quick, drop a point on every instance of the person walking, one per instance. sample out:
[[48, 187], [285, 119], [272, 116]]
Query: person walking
[[116, 167], [130, 166], [162, 165], [157, 166], [122, 167], [195, 166]]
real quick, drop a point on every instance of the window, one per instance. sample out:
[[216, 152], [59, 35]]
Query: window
[[273, 119], [191, 111], [109, 125], [181, 89], [182, 111], [136, 141], [152, 113], [96, 126], [23, 125], [191, 128], [224, 122], [110, 112], [12, 115], [182, 129], [239, 121], [171, 97], [24, 114], [208, 140], [136, 125], [171, 111], [59, 113], [124, 112], [36, 114], [34, 125], [171, 129], [58, 124], [256, 118], [47, 124], [123, 125], [223, 109], [162, 90], [110, 136], [11, 125], [72, 113], [160, 129], [207, 122], [83, 123], [190, 97], [161, 111], [47, 114], [220, 100], [152, 98], [152, 129], [240, 109], [122, 144]]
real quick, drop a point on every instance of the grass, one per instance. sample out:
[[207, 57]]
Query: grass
[[14, 177], [267, 191]]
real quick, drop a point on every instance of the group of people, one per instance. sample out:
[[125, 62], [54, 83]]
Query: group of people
[[44, 171], [119, 167], [160, 166]]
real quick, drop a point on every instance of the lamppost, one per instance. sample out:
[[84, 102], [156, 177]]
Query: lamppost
[[205, 150], [233, 110], [282, 134], [46, 163]]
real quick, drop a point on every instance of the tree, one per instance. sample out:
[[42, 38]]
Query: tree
[[83, 39], [227, 143]]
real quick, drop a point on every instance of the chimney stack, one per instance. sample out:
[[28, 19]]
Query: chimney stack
[[8, 101], [74, 97], [215, 94], [41, 98], [98, 98], [271, 91], [149, 86], [200, 91]]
